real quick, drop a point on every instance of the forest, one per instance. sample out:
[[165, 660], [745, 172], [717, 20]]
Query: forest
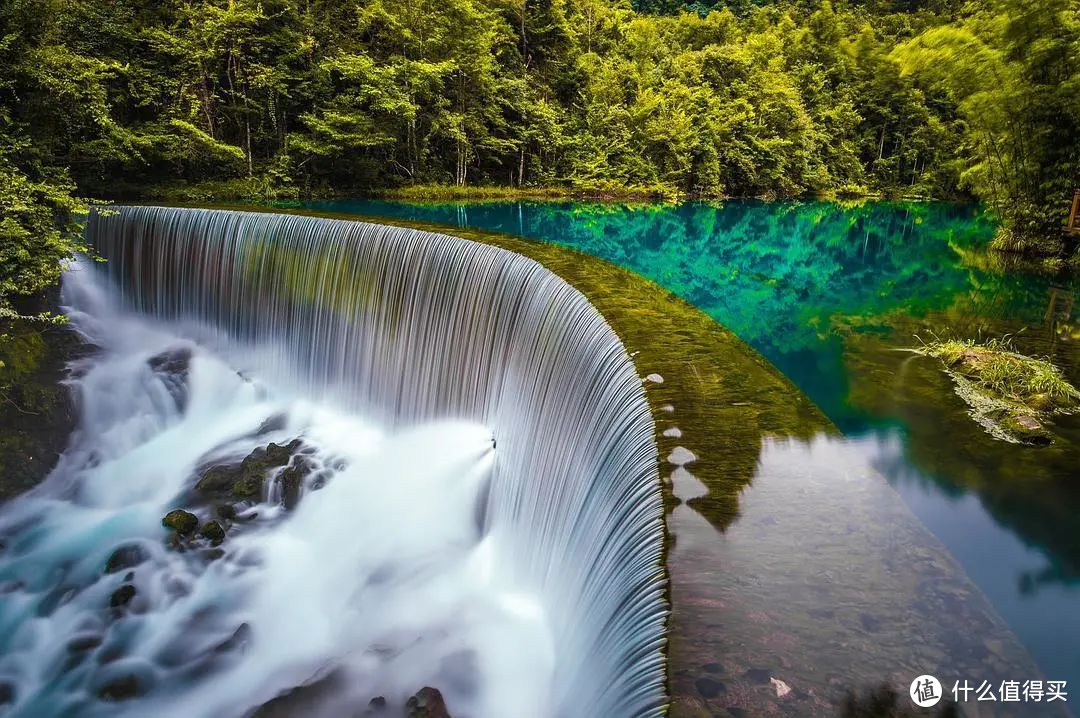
[[265, 99]]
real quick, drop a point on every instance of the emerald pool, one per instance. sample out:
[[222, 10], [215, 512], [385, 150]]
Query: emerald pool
[[834, 295]]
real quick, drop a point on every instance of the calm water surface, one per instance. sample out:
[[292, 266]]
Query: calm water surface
[[832, 294]]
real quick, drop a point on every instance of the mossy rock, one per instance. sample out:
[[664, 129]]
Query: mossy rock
[[37, 413], [213, 531], [244, 481], [183, 522], [1026, 429]]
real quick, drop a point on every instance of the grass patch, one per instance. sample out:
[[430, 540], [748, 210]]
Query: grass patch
[[1008, 392], [996, 366]]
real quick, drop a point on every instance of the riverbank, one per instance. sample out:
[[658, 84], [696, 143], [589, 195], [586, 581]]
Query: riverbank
[[37, 409], [259, 190]]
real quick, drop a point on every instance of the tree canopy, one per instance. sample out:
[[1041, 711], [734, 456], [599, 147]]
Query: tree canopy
[[712, 97]]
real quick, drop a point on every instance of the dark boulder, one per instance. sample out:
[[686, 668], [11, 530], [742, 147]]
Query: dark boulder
[[122, 596], [292, 481], [427, 703], [120, 688], [213, 531], [183, 522], [84, 642]]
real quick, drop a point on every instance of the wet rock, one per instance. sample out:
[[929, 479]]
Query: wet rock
[[175, 542], [376, 706], [277, 455], [427, 703], [273, 423], [240, 638], [122, 596], [85, 642], [782, 689], [120, 688], [173, 367], [226, 512], [38, 412], [213, 531], [127, 556], [244, 481], [1028, 430], [292, 482], [311, 698], [183, 522]]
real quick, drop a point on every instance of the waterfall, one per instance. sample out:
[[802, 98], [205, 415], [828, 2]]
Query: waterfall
[[420, 332]]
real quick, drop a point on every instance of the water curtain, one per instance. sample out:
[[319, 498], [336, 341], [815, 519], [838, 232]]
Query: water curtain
[[408, 326]]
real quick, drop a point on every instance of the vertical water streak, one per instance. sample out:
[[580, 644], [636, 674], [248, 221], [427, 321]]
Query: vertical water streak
[[408, 326]]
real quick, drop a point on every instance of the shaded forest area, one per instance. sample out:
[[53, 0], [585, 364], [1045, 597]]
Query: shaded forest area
[[201, 99]]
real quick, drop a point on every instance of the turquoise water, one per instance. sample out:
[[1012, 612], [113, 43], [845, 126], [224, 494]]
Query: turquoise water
[[830, 293]]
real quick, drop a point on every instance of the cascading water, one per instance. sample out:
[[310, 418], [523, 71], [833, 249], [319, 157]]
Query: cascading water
[[481, 508]]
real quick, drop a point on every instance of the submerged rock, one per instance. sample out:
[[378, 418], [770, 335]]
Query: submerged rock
[[125, 557], [427, 703], [120, 688], [122, 596], [183, 522], [85, 642]]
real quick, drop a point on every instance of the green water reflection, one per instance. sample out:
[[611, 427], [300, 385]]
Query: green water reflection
[[830, 293]]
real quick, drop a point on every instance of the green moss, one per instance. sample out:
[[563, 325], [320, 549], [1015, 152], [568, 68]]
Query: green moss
[[1009, 393], [245, 480], [183, 522], [36, 410], [996, 367], [213, 531]]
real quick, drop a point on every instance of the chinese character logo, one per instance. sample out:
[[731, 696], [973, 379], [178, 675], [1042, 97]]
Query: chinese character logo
[[925, 691]]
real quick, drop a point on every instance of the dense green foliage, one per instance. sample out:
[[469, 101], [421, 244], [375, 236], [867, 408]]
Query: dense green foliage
[[214, 98], [1013, 68]]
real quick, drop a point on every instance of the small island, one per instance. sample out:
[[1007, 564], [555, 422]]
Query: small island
[[1010, 394]]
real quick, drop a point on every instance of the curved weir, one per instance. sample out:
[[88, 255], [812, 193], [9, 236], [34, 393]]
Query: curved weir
[[408, 328]]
